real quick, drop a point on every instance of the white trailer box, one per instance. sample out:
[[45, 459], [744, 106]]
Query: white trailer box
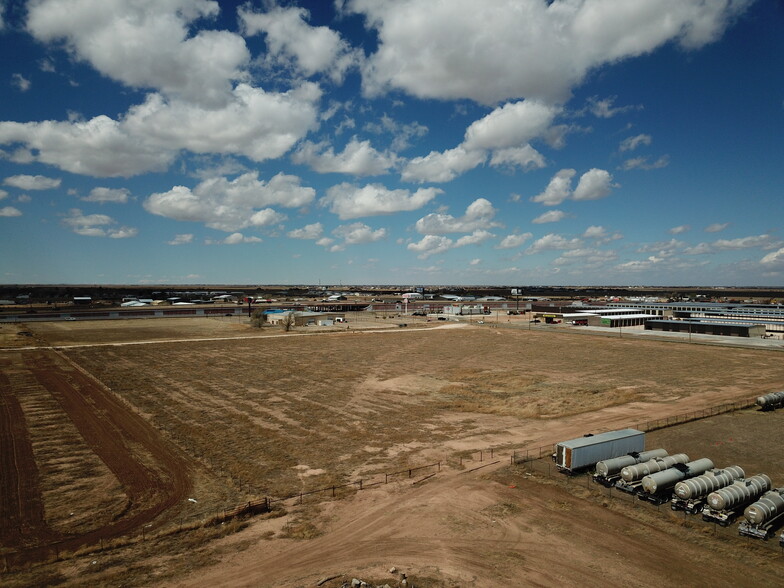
[[583, 452]]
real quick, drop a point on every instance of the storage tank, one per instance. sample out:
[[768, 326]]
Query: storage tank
[[610, 467], [708, 482], [771, 401], [659, 481], [770, 505], [739, 492], [640, 470]]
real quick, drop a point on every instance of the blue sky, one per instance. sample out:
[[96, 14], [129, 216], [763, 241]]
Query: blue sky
[[506, 142]]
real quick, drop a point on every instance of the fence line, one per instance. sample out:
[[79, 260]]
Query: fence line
[[265, 505]]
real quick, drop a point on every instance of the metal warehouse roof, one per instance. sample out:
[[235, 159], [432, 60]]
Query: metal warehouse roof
[[738, 322], [629, 316]]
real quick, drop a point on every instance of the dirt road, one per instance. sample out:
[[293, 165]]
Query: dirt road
[[151, 472], [466, 530]]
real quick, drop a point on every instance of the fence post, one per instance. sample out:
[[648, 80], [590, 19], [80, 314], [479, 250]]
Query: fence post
[[360, 484], [491, 453], [386, 478], [439, 466], [333, 492], [480, 455]]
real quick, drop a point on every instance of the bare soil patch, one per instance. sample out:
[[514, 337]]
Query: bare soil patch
[[223, 422]]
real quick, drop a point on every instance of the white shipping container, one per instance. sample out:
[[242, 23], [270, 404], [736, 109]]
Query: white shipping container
[[583, 452]]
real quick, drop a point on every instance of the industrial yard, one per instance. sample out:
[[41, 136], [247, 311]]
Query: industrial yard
[[204, 414]]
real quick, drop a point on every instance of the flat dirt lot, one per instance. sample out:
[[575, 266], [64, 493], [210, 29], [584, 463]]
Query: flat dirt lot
[[117, 441]]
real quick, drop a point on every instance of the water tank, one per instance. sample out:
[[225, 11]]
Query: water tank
[[772, 400], [640, 470], [767, 507], [610, 467], [708, 482], [658, 481], [739, 492]]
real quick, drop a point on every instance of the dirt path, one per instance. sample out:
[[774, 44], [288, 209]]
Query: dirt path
[[21, 507], [153, 474]]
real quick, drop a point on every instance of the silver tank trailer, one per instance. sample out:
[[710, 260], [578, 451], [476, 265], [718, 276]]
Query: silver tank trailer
[[640, 470], [708, 482], [770, 505], [772, 400], [610, 467], [657, 481], [739, 492]]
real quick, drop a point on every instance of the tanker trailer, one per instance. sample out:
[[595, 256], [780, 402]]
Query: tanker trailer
[[690, 495], [727, 503], [763, 516], [771, 401], [583, 452], [631, 475], [609, 470], [655, 485]]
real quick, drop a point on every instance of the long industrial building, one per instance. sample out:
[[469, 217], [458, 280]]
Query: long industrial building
[[759, 319]]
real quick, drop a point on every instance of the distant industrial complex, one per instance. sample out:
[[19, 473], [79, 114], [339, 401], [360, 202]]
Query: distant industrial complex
[[742, 313]]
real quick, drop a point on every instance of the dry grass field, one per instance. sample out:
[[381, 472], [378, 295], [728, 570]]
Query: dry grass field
[[200, 425]]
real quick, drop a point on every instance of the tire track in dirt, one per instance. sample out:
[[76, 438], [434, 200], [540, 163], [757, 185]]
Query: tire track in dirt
[[21, 505], [126, 443]]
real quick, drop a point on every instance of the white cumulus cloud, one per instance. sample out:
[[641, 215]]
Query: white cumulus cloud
[[349, 201], [505, 133], [352, 234], [631, 143], [231, 205], [233, 239], [551, 216], [117, 195], [517, 48], [27, 182], [181, 239], [9, 211], [289, 38], [312, 231], [594, 184], [431, 245], [96, 225], [774, 259], [514, 240], [558, 189], [147, 44], [358, 158], [478, 215], [257, 124], [438, 166], [553, 242]]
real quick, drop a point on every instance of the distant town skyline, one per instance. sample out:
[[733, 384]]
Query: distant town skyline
[[415, 142]]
